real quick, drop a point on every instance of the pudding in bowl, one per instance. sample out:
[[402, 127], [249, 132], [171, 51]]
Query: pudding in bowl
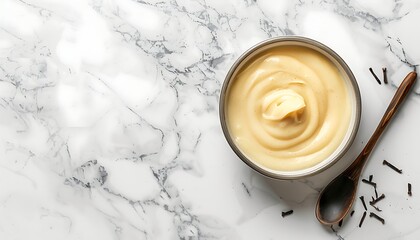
[[290, 107]]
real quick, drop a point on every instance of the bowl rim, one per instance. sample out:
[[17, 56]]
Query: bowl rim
[[331, 53]]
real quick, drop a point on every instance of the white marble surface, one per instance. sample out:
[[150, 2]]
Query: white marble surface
[[109, 119]]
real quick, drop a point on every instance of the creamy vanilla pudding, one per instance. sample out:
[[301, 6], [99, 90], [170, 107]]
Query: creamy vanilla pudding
[[290, 109]]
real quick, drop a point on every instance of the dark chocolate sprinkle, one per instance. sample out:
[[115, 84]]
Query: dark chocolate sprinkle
[[362, 219], [376, 208], [369, 182], [284, 214], [374, 75], [384, 75], [373, 202], [385, 162], [372, 214], [363, 201], [409, 190]]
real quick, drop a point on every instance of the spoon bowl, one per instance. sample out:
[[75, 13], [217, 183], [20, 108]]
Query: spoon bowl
[[335, 203], [337, 198]]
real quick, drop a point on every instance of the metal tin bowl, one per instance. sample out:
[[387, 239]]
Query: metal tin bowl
[[347, 75]]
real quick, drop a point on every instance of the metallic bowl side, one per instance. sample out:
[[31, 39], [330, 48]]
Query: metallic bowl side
[[280, 41]]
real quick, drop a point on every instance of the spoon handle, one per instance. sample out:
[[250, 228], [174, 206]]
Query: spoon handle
[[354, 169]]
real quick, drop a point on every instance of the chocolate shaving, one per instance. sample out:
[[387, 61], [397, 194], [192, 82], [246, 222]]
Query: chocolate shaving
[[362, 219], [370, 178], [409, 190], [384, 75], [373, 202], [372, 214], [284, 214], [376, 193], [351, 214], [385, 162], [340, 223], [374, 75], [363, 201], [369, 182]]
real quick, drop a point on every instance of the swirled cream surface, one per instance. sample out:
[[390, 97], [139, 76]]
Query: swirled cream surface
[[289, 109]]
